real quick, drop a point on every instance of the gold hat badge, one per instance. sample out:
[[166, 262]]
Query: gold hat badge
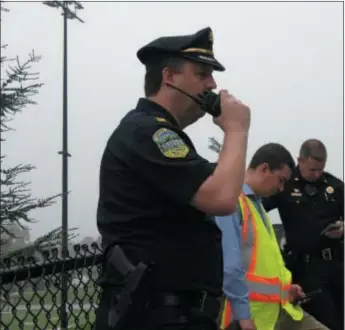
[[210, 37]]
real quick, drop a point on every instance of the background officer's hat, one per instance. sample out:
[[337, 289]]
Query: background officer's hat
[[197, 47]]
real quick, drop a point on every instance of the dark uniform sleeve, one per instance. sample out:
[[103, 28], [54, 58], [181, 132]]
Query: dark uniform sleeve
[[162, 156], [340, 197], [272, 202], [338, 186]]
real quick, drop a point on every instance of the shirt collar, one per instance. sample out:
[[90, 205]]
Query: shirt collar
[[156, 109], [248, 191], [297, 174]]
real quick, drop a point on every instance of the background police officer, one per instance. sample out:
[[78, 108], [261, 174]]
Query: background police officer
[[158, 196], [311, 201]]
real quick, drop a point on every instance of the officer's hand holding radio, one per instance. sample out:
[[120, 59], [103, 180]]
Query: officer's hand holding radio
[[234, 116]]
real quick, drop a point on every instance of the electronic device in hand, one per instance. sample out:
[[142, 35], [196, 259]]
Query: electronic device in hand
[[210, 103], [308, 295], [208, 100], [330, 227]]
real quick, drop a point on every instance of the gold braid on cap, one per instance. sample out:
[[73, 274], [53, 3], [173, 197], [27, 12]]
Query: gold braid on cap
[[198, 50]]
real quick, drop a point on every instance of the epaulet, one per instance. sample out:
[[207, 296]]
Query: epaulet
[[153, 122], [161, 120], [332, 179], [327, 175]]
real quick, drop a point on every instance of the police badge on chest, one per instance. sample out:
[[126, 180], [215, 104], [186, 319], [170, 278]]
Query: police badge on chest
[[329, 194]]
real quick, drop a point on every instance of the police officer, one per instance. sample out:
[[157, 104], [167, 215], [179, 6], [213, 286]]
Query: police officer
[[312, 200], [158, 196]]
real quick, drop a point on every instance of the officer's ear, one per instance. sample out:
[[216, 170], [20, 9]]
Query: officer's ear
[[172, 70], [300, 160], [167, 76], [170, 75], [264, 168]]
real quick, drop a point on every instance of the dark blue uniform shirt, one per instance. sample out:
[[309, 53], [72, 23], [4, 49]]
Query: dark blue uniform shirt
[[149, 173], [306, 209]]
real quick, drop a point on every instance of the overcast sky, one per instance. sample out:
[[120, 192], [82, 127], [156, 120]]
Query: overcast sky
[[285, 60]]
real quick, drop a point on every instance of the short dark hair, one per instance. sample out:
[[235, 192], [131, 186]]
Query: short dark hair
[[313, 148], [275, 155], [153, 76]]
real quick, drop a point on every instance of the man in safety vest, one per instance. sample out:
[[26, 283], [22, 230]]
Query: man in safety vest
[[257, 285]]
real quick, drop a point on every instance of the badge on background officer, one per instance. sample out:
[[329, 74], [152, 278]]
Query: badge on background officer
[[312, 200], [157, 194]]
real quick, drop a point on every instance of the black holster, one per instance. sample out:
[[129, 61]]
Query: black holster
[[128, 299]]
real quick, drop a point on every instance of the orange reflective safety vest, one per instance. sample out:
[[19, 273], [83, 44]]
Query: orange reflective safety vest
[[267, 278]]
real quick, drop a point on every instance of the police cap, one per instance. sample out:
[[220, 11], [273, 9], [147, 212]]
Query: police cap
[[196, 47]]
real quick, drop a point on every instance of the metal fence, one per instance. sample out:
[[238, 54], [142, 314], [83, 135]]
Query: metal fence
[[32, 295]]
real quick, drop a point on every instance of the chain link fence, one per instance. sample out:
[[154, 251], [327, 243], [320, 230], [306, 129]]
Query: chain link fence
[[31, 290]]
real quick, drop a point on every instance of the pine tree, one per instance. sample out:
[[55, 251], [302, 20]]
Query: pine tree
[[19, 85]]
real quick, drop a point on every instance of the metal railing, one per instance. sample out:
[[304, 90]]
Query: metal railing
[[31, 294]]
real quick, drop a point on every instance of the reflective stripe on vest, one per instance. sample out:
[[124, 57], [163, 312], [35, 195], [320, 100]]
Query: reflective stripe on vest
[[267, 289], [261, 289]]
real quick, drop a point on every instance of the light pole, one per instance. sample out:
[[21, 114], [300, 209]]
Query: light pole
[[67, 13]]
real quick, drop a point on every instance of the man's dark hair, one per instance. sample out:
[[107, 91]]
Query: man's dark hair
[[313, 148], [153, 76], [275, 155]]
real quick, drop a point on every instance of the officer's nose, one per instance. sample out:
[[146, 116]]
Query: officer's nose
[[318, 174], [211, 83]]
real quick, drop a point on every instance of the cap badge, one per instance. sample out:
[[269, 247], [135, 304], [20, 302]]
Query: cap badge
[[210, 37]]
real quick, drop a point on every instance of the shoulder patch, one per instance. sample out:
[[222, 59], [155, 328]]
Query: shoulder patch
[[170, 144]]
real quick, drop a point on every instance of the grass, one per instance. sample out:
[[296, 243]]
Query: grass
[[29, 314], [53, 296], [24, 321]]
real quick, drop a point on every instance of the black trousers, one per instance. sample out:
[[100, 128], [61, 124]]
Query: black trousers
[[162, 317], [328, 306]]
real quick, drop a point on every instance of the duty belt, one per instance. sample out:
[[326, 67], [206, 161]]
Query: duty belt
[[328, 254], [201, 301]]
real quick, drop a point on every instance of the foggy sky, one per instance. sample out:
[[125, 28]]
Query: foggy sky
[[285, 60]]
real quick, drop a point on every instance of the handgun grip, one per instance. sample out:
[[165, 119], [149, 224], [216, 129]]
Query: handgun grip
[[119, 260]]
